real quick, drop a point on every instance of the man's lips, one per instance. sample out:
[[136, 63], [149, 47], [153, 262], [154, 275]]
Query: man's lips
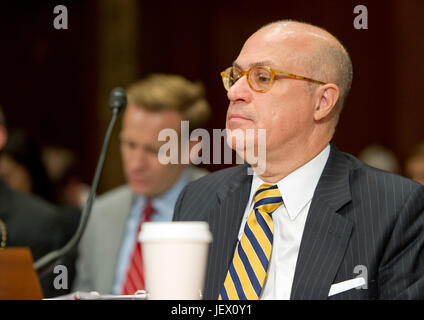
[[138, 179], [236, 116]]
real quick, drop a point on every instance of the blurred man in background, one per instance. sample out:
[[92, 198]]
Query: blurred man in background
[[110, 256], [30, 221], [23, 169]]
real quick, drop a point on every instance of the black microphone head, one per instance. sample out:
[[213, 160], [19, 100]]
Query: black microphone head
[[118, 99]]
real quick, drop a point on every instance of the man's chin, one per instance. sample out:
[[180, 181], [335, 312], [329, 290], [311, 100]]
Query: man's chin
[[140, 190], [239, 125], [241, 139]]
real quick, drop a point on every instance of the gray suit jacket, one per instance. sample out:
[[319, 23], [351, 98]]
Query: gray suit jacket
[[360, 219], [99, 247]]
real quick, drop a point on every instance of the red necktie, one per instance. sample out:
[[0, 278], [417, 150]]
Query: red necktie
[[135, 279]]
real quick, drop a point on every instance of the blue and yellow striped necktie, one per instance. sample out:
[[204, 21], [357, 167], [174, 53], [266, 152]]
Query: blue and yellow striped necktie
[[247, 272]]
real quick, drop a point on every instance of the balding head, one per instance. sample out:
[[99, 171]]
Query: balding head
[[315, 50], [306, 74]]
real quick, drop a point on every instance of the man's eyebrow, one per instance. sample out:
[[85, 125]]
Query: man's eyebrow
[[235, 64], [268, 63]]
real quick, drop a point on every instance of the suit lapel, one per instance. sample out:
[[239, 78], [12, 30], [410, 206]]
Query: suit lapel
[[326, 234], [113, 229], [224, 221]]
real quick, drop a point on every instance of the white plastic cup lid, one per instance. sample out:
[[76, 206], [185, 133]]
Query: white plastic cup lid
[[177, 230]]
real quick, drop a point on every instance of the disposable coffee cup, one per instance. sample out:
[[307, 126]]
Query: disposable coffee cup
[[174, 257]]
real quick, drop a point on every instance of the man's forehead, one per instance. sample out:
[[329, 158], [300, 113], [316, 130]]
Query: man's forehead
[[281, 45], [273, 54], [283, 41], [147, 120]]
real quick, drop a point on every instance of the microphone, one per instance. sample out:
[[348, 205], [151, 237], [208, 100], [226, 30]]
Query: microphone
[[117, 102]]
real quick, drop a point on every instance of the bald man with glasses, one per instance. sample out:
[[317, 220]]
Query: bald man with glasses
[[316, 223]]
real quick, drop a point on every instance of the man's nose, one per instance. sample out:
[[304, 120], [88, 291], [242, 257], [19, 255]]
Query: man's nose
[[140, 159], [240, 91]]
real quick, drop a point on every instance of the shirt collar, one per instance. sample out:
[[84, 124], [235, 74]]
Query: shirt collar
[[297, 189]]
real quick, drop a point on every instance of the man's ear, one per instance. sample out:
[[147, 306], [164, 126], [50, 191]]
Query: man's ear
[[3, 136], [327, 96]]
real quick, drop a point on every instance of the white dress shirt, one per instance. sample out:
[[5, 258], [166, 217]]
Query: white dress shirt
[[289, 219]]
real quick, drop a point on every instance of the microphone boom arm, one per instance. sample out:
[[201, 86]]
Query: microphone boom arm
[[54, 255]]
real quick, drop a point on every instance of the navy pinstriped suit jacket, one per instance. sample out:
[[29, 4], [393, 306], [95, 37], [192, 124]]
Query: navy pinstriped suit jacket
[[359, 216]]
